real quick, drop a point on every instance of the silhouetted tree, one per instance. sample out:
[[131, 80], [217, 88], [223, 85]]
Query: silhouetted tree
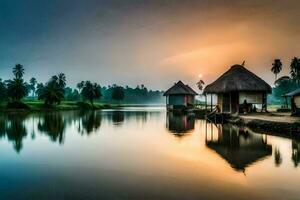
[[39, 89], [276, 67], [71, 95], [90, 91], [18, 71], [53, 92], [295, 69], [17, 88], [117, 93], [80, 85], [2, 91], [33, 83], [200, 84]]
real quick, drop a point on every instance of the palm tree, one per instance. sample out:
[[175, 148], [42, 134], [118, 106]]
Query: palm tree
[[200, 84], [51, 94], [17, 89], [18, 71], [277, 67], [91, 91], [80, 85], [62, 80], [2, 90], [295, 69], [54, 91], [39, 88], [118, 93], [33, 83]]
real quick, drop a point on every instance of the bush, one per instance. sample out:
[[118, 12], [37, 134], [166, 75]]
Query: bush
[[17, 105], [84, 105]]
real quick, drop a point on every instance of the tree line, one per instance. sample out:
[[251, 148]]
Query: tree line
[[55, 90], [285, 84]]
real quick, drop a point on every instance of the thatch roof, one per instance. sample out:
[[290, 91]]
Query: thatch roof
[[180, 88], [238, 78]]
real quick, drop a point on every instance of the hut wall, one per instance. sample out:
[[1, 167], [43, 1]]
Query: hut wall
[[176, 100], [297, 101]]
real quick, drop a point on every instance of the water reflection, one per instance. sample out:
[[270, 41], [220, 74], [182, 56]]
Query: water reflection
[[127, 150], [12, 127], [117, 117], [238, 146], [296, 152], [53, 125], [277, 157], [180, 124], [89, 121]]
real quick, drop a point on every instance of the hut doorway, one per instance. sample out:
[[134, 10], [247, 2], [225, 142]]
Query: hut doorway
[[226, 102], [234, 102]]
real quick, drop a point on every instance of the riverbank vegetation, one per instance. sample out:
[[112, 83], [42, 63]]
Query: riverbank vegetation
[[16, 93], [284, 84]]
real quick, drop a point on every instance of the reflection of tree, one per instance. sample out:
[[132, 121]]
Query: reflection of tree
[[277, 157], [90, 121], [16, 130], [295, 153], [53, 125], [117, 117], [2, 126]]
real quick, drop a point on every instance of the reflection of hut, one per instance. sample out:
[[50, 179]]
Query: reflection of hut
[[295, 101], [180, 124], [236, 86], [238, 147], [180, 96]]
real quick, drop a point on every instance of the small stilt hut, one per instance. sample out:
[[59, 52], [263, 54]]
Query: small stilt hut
[[180, 96], [295, 101], [239, 87]]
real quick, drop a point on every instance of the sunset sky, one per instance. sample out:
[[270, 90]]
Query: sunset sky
[[151, 42]]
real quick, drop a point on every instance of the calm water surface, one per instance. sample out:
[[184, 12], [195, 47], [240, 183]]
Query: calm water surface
[[141, 153]]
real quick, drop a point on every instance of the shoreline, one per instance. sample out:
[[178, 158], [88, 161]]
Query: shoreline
[[289, 130], [70, 106]]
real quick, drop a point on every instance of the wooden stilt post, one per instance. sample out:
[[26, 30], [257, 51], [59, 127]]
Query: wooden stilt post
[[211, 106], [205, 102]]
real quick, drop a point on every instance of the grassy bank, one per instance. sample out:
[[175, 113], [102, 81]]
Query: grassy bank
[[64, 105]]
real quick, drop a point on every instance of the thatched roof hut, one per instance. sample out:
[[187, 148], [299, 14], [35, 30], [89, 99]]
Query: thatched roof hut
[[180, 96], [238, 86], [180, 88], [295, 101], [238, 78]]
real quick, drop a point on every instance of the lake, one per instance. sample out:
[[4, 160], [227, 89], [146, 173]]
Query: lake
[[141, 153]]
